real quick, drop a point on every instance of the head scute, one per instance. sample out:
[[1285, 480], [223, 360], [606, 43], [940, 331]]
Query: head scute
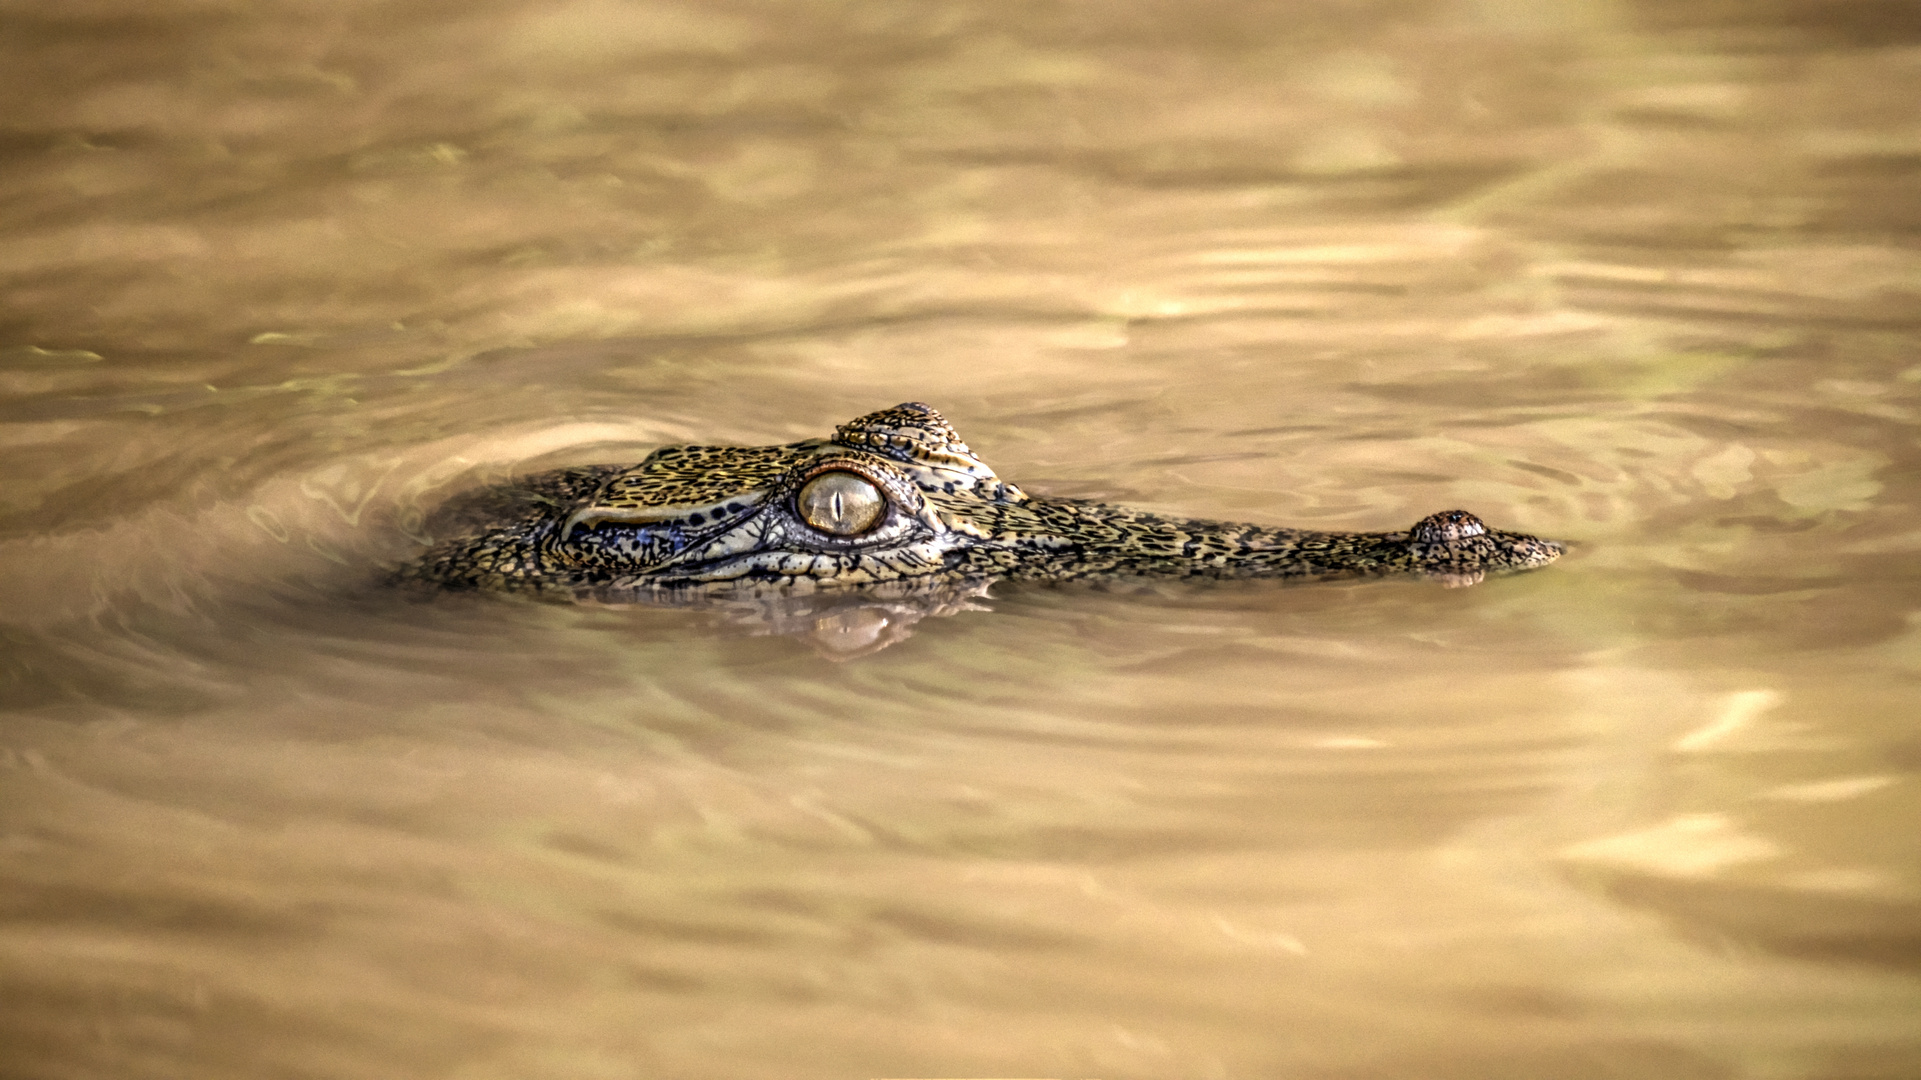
[[909, 426], [913, 434], [700, 487]]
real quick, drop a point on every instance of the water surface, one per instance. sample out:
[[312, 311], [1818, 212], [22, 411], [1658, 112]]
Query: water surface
[[278, 278]]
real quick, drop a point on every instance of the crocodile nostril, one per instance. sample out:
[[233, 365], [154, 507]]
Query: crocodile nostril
[[1446, 527]]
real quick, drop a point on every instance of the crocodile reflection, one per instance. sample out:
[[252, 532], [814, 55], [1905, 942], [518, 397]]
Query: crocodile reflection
[[892, 514]]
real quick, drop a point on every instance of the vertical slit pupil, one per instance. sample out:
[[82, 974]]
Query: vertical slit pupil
[[840, 503]]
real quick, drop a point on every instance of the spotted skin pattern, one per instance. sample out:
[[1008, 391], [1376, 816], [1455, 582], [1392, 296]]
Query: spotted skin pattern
[[704, 518]]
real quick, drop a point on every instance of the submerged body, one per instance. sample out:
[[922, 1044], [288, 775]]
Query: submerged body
[[892, 497]]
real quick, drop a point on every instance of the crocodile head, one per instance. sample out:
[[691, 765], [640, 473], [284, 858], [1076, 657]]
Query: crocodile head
[[890, 496], [894, 499]]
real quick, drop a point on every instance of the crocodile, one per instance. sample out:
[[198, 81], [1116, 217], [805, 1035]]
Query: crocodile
[[894, 500]]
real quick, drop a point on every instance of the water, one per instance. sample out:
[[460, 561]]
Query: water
[[279, 278]]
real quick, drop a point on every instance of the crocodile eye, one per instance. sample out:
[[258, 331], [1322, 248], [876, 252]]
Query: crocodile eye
[[840, 504]]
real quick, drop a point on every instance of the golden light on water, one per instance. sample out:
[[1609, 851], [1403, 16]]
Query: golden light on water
[[280, 279]]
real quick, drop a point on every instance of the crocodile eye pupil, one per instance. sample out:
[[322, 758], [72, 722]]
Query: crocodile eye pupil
[[840, 504]]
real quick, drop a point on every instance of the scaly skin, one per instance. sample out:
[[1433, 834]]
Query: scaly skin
[[701, 519]]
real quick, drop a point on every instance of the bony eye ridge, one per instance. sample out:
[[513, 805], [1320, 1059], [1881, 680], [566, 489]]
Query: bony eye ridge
[[840, 503]]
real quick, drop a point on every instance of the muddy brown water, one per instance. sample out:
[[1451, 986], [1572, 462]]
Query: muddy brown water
[[279, 277]]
